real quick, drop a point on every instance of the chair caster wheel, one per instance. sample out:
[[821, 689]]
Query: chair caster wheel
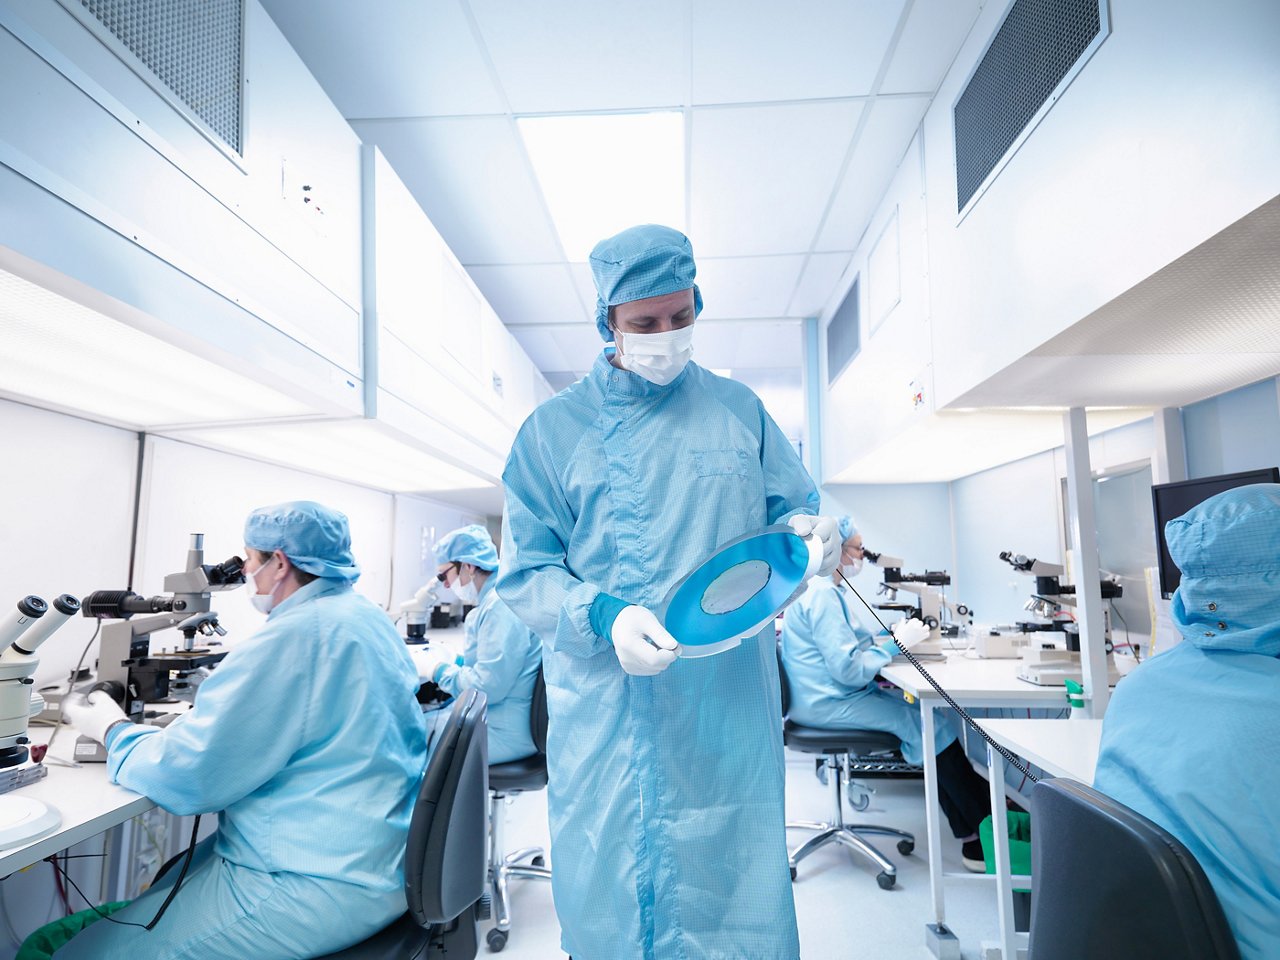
[[497, 939], [906, 846], [886, 880], [539, 861], [793, 873]]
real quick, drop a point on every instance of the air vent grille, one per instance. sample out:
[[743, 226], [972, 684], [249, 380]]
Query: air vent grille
[[1031, 56], [194, 47]]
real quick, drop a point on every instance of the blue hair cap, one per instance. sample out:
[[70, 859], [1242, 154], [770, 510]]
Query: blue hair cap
[[471, 544], [641, 262], [315, 538], [847, 530]]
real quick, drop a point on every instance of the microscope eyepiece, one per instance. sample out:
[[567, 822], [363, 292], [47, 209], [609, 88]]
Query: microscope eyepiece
[[228, 571]]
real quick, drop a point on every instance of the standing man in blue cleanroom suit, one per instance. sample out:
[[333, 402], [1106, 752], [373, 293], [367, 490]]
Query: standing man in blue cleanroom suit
[[666, 775], [309, 743], [1190, 736], [501, 657], [832, 662]]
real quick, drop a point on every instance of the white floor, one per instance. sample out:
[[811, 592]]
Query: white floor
[[841, 910]]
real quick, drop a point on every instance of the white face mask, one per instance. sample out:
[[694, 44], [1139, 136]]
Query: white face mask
[[262, 602], [466, 592], [854, 568], [658, 357]]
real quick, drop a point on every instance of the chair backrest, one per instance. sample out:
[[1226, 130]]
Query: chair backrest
[[538, 713], [445, 860], [1109, 883]]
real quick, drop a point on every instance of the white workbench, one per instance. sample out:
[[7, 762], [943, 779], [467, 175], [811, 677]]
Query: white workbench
[[971, 683], [1062, 748], [88, 802]]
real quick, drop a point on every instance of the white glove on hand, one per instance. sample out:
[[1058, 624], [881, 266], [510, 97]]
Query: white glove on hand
[[643, 646], [908, 633], [92, 715], [429, 660], [827, 531]]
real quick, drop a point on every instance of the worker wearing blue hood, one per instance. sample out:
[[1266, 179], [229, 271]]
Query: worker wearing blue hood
[[307, 742], [666, 774], [1189, 739]]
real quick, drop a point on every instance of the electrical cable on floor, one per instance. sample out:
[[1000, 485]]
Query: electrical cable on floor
[[911, 659], [182, 875]]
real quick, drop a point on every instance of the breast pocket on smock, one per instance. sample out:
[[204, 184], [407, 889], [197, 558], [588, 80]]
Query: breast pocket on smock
[[726, 463]]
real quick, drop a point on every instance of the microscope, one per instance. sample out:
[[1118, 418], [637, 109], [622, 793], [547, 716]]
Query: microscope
[[22, 632], [928, 608], [417, 612], [127, 667], [1049, 647]]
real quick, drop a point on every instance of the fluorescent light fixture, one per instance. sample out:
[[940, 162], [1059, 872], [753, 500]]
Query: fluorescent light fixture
[[358, 451], [58, 352], [602, 173]]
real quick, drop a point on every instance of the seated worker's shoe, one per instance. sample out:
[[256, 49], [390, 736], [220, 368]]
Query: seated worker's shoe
[[971, 854]]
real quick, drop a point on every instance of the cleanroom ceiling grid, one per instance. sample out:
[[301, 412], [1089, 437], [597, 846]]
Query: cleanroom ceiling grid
[[194, 47], [1030, 58]]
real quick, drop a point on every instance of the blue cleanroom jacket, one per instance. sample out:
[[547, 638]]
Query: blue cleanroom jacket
[[501, 658], [831, 664], [308, 743], [666, 792], [1190, 738]]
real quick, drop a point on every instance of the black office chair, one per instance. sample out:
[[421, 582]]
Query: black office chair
[[508, 780], [1108, 884], [444, 869], [837, 747]]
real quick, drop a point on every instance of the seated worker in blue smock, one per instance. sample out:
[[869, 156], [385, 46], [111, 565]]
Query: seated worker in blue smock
[[831, 663], [309, 744], [501, 657], [1190, 736]]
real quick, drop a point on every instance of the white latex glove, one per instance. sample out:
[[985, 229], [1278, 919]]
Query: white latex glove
[[429, 660], [643, 646], [92, 715], [910, 632], [827, 531]]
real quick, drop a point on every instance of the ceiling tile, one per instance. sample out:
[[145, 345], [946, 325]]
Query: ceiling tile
[[567, 55], [765, 165], [542, 347], [401, 58], [472, 179], [580, 345], [890, 126], [539, 293], [933, 35], [818, 283], [719, 344], [759, 50], [748, 286]]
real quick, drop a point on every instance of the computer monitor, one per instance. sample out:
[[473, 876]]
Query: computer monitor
[[1172, 500]]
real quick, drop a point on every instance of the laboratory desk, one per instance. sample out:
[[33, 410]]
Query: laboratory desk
[[971, 683], [1062, 748], [88, 802]]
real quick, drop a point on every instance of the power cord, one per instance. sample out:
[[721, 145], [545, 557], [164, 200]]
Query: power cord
[[191, 848], [911, 658], [71, 682]]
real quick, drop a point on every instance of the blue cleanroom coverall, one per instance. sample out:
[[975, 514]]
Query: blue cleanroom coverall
[[502, 659], [308, 740], [666, 792], [832, 663], [1190, 738]]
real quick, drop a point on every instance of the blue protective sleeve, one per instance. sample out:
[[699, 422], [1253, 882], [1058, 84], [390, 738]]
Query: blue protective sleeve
[[605, 610], [115, 730]]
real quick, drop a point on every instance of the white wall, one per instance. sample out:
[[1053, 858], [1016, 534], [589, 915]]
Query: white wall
[[1234, 432], [910, 521], [1165, 137]]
